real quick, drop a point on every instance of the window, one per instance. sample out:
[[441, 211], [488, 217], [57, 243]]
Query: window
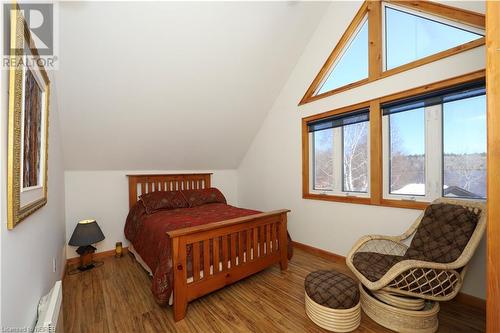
[[352, 64], [407, 152], [411, 35], [340, 158], [386, 38], [464, 148], [435, 145]]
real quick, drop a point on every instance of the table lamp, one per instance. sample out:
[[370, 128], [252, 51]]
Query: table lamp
[[86, 233]]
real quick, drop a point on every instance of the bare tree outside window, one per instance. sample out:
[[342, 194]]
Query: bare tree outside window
[[323, 159], [407, 159], [355, 157]]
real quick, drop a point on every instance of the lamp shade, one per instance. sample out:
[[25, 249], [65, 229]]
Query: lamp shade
[[87, 232]]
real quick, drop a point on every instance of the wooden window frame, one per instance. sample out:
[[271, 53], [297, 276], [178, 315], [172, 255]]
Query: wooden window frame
[[373, 8], [376, 147]]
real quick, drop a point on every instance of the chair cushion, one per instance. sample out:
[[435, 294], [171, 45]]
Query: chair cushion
[[332, 289], [443, 233], [374, 265]]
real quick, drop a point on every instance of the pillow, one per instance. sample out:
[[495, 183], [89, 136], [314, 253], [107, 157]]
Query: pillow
[[205, 196], [156, 201]]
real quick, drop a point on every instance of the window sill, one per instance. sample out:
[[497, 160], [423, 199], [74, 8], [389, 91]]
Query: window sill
[[337, 198], [408, 204]]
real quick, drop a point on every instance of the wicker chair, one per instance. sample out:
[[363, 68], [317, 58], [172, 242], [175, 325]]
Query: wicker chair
[[435, 281]]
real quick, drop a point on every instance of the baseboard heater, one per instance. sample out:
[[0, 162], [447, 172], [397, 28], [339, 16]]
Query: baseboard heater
[[50, 317]]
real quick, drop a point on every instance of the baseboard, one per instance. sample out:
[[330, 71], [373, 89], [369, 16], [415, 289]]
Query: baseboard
[[470, 300], [98, 255], [319, 252], [462, 298]]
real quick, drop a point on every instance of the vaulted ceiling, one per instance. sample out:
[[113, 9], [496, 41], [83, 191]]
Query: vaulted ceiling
[[172, 85]]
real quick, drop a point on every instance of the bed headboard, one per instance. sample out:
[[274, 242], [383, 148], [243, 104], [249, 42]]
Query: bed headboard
[[142, 184]]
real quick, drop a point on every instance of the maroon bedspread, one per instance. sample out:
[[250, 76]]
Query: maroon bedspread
[[147, 233]]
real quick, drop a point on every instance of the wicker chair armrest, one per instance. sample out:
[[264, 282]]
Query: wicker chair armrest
[[374, 243], [379, 244]]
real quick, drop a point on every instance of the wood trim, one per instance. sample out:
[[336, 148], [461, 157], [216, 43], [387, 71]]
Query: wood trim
[[337, 198], [462, 298], [374, 39], [345, 109], [409, 204], [165, 182], [373, 8], [96, 256], [493, 120], [470, 300], [376, 154], [358, 18], [432, 58], [458, 15], [469, 77], [319, 252], [305, 158]]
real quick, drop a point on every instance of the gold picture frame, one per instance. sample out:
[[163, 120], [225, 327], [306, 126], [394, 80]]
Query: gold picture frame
[[28, 124]]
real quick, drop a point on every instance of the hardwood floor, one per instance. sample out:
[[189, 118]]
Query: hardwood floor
[[116, 297]]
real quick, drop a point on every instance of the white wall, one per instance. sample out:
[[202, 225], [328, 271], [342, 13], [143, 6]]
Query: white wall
[[27, 251], [103, 195], [270, 174], [213, 71]]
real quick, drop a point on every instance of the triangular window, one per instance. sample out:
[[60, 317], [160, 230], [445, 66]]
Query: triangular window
[[351, 64], [384, 39], [410, 35]]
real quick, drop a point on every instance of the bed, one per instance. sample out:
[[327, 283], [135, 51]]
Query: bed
[[196, 249]]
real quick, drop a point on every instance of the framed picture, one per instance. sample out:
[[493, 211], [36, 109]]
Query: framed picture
[[29, 93]]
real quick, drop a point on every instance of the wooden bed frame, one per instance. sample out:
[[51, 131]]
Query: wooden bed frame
[[258, 255]]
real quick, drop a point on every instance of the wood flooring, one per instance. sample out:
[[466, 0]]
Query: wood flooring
[[116, 297]]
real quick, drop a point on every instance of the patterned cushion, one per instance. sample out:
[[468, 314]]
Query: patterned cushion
[[332, 289], [441, 237], [205, 196], [374, 265], [443, 233], [156, 201]]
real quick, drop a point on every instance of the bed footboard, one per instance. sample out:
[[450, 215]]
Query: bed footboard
[[225, 252]]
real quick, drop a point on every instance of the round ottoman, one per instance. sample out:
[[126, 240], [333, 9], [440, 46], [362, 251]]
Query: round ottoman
[[332, 301]]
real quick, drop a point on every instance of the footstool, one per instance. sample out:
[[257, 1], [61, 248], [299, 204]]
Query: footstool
[[332, 301]]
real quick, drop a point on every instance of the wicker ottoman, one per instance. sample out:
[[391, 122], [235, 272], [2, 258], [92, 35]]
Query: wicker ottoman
[[332, 301]]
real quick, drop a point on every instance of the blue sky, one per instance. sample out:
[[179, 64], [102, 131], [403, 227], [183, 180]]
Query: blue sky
[[464, 128], [408, 38]]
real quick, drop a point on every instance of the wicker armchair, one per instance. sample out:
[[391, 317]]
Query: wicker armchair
[[436, 281]]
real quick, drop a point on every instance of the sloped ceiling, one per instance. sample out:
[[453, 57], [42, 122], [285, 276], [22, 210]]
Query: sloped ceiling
[[171, 85]]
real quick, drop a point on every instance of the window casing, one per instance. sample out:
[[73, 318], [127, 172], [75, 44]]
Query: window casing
[[433, 157], [460, 30], [440, 137]]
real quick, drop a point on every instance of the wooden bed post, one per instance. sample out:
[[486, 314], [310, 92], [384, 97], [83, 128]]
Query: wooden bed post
[[283, 245], [180, 278], [132, 191]]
